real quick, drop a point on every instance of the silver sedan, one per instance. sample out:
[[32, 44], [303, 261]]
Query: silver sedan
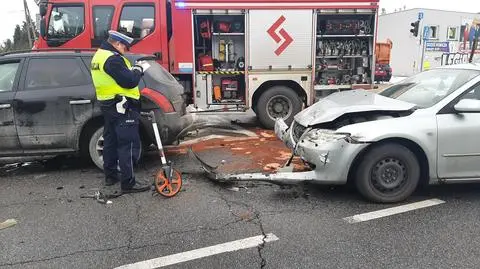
[[425, 129]]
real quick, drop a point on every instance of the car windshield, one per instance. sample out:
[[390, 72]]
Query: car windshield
[[430, 87]]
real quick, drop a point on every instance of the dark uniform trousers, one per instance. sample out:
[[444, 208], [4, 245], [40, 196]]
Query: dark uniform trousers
[[121, 141]]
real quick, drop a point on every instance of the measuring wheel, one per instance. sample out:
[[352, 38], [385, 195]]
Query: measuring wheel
[[165, 187]]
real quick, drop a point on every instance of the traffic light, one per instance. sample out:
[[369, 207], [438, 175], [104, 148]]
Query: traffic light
[[414, 29]]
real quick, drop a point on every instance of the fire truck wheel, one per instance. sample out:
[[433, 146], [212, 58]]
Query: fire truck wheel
[[278, 102]]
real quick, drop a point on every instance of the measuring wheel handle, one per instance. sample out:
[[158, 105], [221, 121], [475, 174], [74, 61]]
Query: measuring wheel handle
[[164, 186]]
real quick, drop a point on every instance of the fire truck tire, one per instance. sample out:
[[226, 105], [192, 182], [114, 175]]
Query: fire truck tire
[[278, 102]]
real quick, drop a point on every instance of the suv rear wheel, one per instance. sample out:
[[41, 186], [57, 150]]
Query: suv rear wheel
[[95, 147]]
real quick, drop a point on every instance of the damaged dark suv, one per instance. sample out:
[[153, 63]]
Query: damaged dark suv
[[48, 106]]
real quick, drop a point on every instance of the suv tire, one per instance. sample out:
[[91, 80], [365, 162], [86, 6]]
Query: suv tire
[[95, 148]]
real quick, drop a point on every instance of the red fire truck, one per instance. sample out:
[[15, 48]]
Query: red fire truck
[[273, 56]]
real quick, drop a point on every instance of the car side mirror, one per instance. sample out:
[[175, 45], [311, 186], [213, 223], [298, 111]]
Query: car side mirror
[[468, 105]]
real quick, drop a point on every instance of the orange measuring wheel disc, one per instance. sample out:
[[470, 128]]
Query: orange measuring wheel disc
[[165, 188]]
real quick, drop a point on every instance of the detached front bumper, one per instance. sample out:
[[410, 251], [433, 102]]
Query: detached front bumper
[[330, 156], [328, 153]]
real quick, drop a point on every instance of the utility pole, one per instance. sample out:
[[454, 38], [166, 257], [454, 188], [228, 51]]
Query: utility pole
[[475, 40], [28, 20]]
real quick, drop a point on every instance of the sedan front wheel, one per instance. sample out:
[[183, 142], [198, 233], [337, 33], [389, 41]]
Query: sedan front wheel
[[388, 173]]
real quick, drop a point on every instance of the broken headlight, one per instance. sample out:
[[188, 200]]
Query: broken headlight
[[325, 136]]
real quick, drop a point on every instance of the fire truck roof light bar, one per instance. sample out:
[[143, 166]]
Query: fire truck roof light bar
[[218, 12]]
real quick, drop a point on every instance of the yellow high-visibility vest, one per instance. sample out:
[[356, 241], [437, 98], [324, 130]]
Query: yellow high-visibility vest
[[105, 86]]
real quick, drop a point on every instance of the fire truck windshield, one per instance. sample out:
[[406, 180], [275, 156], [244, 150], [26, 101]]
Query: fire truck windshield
[[65, 23]]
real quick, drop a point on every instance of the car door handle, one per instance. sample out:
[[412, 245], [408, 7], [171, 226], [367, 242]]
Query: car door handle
[[5, 106], [80, 102]]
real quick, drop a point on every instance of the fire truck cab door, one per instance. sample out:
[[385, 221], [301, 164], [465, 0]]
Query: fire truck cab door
[[141, 21]]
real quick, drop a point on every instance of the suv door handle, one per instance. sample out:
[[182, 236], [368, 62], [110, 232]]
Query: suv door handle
[[5, 106], [80, 102]]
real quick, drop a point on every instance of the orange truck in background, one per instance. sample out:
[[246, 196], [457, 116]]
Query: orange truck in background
[[383, 70]]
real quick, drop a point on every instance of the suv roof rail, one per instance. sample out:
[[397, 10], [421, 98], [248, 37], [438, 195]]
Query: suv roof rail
[[47, 50]]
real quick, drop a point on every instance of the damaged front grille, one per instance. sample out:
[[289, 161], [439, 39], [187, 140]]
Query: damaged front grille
[[298, 131]]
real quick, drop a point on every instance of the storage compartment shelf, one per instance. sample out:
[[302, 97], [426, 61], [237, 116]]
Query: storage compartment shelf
[[228, 34], [335, 70], [344, 56], [330, 36], [345, 41], [221, 72], [331, 87], [230, 102]]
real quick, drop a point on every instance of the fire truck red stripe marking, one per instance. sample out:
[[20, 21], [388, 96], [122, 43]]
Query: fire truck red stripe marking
[[274, 27], [286, 43]]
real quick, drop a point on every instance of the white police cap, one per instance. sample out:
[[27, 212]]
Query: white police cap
[[126, 40]]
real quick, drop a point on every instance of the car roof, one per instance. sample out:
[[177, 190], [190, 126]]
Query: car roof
[[58, 52]]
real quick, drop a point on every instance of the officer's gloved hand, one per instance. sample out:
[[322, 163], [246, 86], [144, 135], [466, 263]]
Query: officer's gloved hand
[[144, 64], [138, 68]]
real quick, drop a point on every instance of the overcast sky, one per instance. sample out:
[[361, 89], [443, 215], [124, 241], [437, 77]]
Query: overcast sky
[[13, 13], [472, 6]]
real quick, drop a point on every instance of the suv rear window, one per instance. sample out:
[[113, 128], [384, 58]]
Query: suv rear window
[[8, 72], [54, 73]]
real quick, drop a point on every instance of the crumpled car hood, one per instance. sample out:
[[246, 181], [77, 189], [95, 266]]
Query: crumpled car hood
[[337, 104]]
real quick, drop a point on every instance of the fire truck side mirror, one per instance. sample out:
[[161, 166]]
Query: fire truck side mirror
[[158, 55], [43, 9], [43, 26]]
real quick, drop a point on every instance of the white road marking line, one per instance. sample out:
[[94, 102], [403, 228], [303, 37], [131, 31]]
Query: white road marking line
[[393, 211], [250, 242]]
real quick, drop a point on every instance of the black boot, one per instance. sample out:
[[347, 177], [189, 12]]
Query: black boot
[[111, 181], [138, 187]]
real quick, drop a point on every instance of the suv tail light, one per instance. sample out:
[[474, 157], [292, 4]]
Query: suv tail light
[[159, 99]]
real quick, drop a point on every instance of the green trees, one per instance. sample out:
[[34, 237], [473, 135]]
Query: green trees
[[20, 39]]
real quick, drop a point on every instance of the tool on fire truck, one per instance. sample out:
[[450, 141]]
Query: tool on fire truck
[[205, 63], [205, 29]]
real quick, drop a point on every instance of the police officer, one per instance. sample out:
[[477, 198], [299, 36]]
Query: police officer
[[116, 84]]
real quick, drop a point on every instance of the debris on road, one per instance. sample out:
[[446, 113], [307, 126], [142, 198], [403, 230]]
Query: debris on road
[[263, 153], [8, 223], [60, 188], [37, 177], [236, 189], [98, 196]]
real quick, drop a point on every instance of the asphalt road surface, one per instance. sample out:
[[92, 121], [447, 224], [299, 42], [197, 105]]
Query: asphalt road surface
[[202, 226]]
